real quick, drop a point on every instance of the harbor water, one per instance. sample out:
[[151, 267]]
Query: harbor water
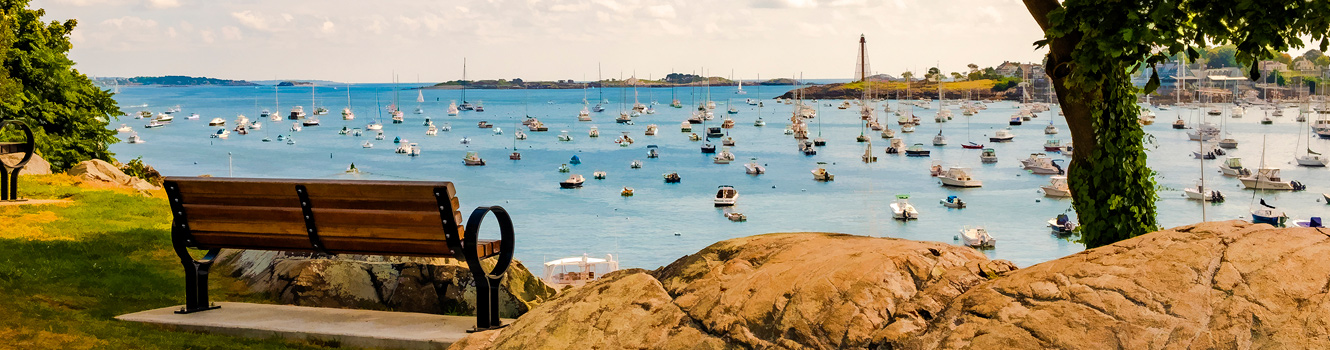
[[663, 222]]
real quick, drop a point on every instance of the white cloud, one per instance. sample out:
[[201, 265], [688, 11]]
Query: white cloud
[[287, 17], [170, 32], [251, 20], [163, 4], [207, 36], [130, 22], [231, 33], [661, 11], [327, 27]]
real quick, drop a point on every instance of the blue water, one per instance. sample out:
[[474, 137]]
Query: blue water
[[553, 222]]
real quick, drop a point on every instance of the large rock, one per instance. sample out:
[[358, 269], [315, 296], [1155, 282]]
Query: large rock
[[794, 290], [35, 166], [1230, 285], [623, 310], [431, 285], [97, 170]]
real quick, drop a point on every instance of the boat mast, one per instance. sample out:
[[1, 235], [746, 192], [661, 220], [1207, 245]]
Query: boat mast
[[463, 80]]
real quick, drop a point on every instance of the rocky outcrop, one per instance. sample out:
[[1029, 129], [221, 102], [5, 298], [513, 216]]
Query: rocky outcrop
[[1206, 286], [792, 290], [430, 285], [626, 309], [35, 166], [97, 170]]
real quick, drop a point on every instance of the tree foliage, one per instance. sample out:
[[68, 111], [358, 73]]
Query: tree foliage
[[68, 114], [1094, 46]]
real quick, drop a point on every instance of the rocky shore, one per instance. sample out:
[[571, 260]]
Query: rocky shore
[[1206, 286], [974, 90]]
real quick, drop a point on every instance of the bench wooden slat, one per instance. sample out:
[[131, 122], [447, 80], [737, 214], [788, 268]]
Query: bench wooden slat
[[343, 245], [358, 189], [290, 201], [417, 225]]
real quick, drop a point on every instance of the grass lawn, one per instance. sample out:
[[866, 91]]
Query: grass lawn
[[67, 269]]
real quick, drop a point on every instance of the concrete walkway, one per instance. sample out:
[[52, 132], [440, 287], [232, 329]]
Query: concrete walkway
[[355, 328]]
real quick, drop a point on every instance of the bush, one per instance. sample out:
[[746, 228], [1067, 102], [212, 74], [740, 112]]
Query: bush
[[136, 168], [1006, 83]]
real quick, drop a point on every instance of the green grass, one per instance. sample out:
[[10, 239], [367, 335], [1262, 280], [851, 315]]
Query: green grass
[[67, 270]]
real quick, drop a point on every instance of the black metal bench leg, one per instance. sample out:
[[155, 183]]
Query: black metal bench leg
[[13, 183], [196, 283], [482, 304], [494, 301], [4, 183]]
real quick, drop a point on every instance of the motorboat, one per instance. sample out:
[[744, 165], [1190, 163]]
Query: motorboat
[[1233, 167], [1268, 214], [672, 178], [807, 148], [240, 120], [821, 174], [575, 160], [686, 127], [1315, 221], [1062, 225], [563, 168], [1052, 145], [651, 130], [240, 129], [221, 133], [708, 148], [1179, 124], [217, 122], [1045, 166], [134, 138], [573, 181], [519, 135], [988, 156], [694, 137], [473, 159], [484, 125], [124, 128], [413, 150], [896, 146], [959, 177], [917, 150], [726, 196], [431, 131], [888, 133], [724, 157], [759, 122], [403, 148], [652, 151], [752, 168], [1268, 179], [498, 131], [1057, 187], [374, 126], [1050, 129], [1202, 193], [599, 175], [1228, 143], [465, 140], [1015, 120], [901, 209], [158, 124], [939, 140], [727, 123], [636, 164], [347, 114], [515, 156], [727, 141], [565, 137], [366, 145], [977, 237], [953, 202], [715, 132], [626, 192], [1205, 131], [1211, 152], [379, 135], [1003, 135], [297, 113], [624, 140], [310, 122]]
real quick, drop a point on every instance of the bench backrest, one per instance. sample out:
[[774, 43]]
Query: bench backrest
[[352, 217]]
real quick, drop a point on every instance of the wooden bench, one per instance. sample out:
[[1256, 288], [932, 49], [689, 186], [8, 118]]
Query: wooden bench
[[9, 172], [391, 218]]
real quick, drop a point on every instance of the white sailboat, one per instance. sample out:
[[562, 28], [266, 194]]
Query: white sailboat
[[347, 114]]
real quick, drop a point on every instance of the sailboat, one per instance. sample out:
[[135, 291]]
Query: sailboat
[[740, 90], [1310, 158], [420, 98], [346, 112], [396, 108], [601, 90], [312, 102], [276, 115], [466, 105]]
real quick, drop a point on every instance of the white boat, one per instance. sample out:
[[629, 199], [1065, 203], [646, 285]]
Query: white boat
[[465, 140], [1039, 163], [1202, 193], [573, 181], [726, 196], [221, 134], [135, 138], [977, 237], [939, 140], [594, 132], [1057, 187], [124, 128], [217, 122], [347, 114], [959, 177], [1207, 131], [166, 117], [498, 131], [519, 135], [565, 137], [374, 126], [821, 173], [1003, 135], [576, 271], [255, 125], [953, 202], [155, 124], [452, 108], [1062, 224], [1233, 167], [724, 157], [296, 127], [413, 150], [473, 159], [1050, 129], [901, 209], [752, 168], [1268, 179], [988, 156], [366, 145], [636, 164], [449, 127], [297, 112], [403, 148], [241, 120], [431, 131]]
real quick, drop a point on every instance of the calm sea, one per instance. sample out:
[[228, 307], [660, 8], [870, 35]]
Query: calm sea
[[663, 222]]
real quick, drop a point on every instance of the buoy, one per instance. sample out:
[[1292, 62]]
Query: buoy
[[1036, 201]]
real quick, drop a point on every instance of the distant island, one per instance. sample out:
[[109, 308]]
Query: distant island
[[172, 80], [295, 83], [671, 80], [1008, 89]]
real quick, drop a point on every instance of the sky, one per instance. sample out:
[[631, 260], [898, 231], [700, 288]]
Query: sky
[[367, 41]]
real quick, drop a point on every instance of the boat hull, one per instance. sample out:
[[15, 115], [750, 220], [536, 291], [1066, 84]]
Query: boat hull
[[961, 183], [1254, 184], [1050, 191]]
